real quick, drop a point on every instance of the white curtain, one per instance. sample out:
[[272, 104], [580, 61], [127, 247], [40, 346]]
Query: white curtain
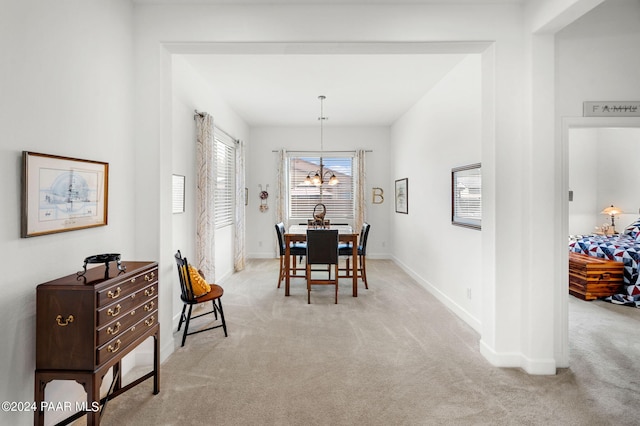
[[361, 204], [281, 196], [239, 248], [205, 200]]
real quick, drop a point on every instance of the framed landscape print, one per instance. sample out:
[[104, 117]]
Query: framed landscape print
[[62, 194], [402, 196]]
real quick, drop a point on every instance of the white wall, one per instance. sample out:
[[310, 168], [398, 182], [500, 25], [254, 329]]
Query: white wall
[[601, 174], [583, 181], [442, 131], [262, 166], [67, 89], [598, 57], [617, 175]]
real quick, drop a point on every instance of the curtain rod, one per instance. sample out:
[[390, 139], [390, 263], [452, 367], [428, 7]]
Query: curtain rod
[[202, 114]]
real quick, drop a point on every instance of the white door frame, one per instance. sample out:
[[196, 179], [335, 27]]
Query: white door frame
[[562, 306]]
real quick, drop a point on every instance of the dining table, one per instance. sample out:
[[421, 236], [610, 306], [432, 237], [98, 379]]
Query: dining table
[[298, 233]]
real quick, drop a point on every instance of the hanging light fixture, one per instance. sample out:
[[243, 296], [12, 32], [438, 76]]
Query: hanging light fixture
[[320, 175]]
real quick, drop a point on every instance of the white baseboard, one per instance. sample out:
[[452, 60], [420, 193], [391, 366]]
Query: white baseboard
[[543, 367], [442, 297]]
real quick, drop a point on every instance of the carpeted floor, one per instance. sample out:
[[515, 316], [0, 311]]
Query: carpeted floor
[[394, 355]]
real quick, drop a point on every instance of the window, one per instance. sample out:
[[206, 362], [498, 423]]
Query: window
[[466, 196], [225, 179], [338, 199]]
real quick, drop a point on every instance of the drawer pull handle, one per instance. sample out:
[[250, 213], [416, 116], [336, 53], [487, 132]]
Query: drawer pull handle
[[150, 321], [133, 280], [112, 295], [113, 313], [150, 277], [150, 291], [114, 349], [133, 312], [149, 307], [64, 323], [114, 330], [133, 296]]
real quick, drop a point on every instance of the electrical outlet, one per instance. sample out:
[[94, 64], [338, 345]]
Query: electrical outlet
[[468, 293]]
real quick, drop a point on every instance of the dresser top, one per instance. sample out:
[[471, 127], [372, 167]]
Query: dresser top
[[95, 275]]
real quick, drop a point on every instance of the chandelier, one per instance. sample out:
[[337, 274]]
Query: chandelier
[[320, 175]]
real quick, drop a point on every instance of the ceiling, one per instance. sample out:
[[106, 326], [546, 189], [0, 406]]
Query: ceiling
[[283, 90], [360, 89]]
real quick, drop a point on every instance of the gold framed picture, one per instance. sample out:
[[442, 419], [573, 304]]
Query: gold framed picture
[[62, 194]]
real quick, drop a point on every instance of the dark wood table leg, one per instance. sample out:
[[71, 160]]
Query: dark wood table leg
[[354, 255], [156, 362]]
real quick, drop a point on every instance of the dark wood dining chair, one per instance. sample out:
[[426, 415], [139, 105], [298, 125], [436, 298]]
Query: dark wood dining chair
[[296, 249], [322, 249], [189, 299], [346, 250]]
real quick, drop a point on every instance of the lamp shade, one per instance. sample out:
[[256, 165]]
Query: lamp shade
[[611, 211]]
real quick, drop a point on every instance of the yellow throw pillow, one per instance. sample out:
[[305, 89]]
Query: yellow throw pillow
[[198, 284]]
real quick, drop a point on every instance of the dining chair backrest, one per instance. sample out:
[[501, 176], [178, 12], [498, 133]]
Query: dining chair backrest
[[364, 236], [280, 231], [186, 291], [322, 246]]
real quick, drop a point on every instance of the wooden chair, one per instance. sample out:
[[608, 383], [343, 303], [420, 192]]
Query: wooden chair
[[189, 299], [296, 249], [322, 249], [345, 250]]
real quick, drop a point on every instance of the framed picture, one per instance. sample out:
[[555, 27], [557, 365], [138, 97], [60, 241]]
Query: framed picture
[[62, 194], [466, 196], [402, 196], [177, 198]]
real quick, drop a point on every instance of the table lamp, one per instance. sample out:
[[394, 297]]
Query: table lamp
[[612, 211]]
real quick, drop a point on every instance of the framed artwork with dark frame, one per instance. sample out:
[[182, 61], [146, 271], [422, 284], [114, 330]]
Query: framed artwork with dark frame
[[62, 194], [466, 196], [402, 196]]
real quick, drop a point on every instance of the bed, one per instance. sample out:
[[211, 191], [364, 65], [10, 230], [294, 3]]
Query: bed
[[625, 248]]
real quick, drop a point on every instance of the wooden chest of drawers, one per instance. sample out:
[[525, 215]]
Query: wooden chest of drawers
[[593, 277], [86, 325]]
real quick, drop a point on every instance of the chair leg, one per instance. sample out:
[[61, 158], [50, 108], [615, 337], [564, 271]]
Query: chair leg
[[186, 325], [282, 269], [224, 324], [363, 266], [182, 317], [308, 274], [336, 278], [215, 312]]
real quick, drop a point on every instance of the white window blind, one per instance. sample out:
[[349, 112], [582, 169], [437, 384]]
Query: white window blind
[[225, 179], [466, 185], [338, 199]]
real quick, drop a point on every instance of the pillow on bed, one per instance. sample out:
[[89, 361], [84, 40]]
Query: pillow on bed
[[633, 230]]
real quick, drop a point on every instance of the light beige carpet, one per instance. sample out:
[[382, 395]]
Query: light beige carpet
[[394, 355]]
